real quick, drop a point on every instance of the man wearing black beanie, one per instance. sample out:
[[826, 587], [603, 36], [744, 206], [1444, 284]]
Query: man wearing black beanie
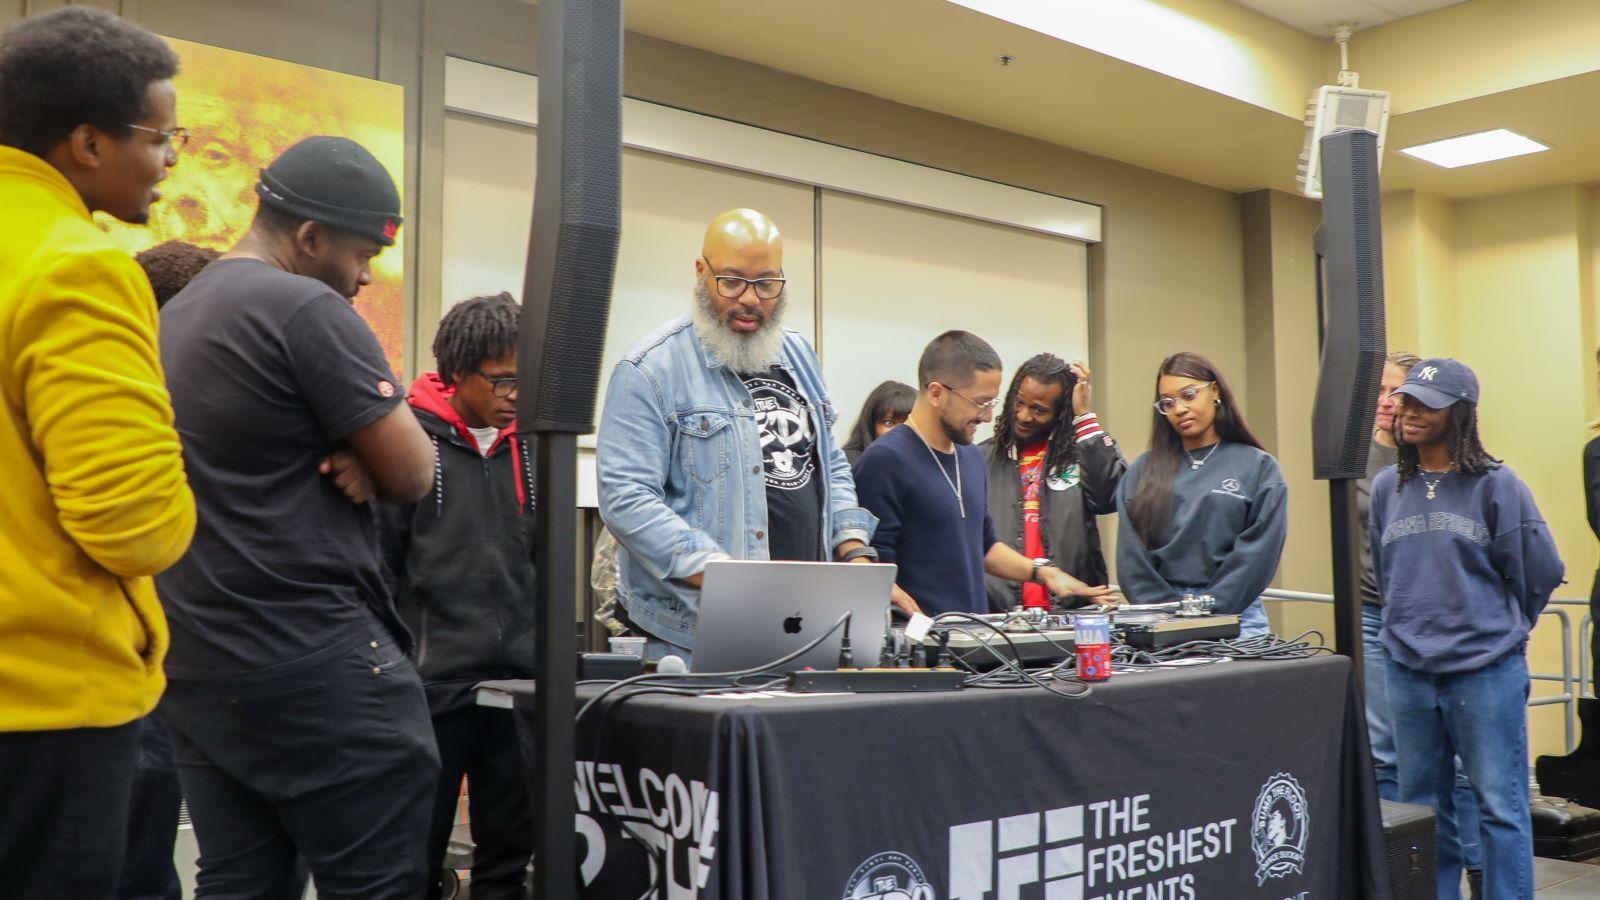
[[298, 724]]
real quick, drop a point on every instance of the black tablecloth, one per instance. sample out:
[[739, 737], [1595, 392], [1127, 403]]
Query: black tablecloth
[[1236, 780]]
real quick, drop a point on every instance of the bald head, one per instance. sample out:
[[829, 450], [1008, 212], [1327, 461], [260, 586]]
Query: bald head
[[743, 242]]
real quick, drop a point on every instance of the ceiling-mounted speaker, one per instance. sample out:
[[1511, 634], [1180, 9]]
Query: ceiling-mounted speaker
[[1335, 108]]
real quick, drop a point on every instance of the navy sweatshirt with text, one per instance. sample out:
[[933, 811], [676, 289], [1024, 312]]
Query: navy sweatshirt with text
[[1464, 575]]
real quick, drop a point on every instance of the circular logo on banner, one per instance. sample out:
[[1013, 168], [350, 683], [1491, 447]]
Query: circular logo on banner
[[1066, 478], [888, 876], [1278, 828]]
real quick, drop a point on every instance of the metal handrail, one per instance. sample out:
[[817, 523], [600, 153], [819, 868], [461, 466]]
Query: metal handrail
[[1571, 689]]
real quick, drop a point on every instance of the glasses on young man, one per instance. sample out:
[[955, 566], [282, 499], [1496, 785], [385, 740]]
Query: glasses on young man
[[502, 387], [1185, 398], [982, 407], [732, 287], [177, 137]]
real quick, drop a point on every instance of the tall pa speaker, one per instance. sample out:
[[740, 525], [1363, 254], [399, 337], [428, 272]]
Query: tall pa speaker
[[572, 256], [1349, 249], [1350, 297]]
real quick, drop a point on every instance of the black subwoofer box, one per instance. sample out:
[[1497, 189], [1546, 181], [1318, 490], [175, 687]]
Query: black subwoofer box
[[1408, 834]]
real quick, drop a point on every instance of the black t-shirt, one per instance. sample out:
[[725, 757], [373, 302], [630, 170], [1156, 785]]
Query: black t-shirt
[[268, 373], [789, 453]]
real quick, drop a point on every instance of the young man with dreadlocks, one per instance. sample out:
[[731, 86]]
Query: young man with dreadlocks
[[1050, 474], [1464, 563], [464, 585]]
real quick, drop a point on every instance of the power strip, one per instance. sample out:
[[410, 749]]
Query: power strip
[[875, 681]]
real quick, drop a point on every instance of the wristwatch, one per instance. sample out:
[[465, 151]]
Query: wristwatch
[[1038, 564]]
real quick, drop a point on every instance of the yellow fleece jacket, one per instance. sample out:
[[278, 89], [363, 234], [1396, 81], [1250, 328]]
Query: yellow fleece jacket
[[93, 498]]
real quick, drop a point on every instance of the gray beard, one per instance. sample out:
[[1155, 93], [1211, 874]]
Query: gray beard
[[744, 353]]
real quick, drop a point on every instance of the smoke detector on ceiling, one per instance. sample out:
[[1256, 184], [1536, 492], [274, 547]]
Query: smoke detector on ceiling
[[1340, 107]]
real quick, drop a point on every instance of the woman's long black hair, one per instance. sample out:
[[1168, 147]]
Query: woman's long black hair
[[1150, 507], [1461, 438], [889, 400], [1046, 369]]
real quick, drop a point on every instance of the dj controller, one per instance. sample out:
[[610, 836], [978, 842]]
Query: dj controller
[[1034, 637]]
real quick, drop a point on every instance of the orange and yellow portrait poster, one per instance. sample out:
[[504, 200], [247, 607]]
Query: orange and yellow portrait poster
[[243, 110]]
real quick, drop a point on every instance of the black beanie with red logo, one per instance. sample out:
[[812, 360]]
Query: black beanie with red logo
[[335, 181]]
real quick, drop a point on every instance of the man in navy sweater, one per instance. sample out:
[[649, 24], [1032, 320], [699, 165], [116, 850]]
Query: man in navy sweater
[[1465, 563], [928, 486]]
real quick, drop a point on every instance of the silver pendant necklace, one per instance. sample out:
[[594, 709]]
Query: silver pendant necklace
[[1197, 463], [955, 486], [1433, 485]]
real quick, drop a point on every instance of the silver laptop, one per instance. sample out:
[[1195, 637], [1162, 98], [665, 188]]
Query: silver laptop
[[753, 612]]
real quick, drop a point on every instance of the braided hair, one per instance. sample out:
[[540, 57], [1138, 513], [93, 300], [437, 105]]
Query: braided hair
[[1461, 439], [473, 331], [1062, 452]]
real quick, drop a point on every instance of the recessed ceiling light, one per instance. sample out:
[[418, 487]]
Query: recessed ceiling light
[[1470, 149]]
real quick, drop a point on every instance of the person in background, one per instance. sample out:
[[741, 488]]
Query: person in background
[[148, 871], [171, 265], [95, 498], [1205, 509], [462, 560], [926, 484], [1464, 563], [1591, 492], [887, 406], [1050, 474], [717, 443], [298, 723]]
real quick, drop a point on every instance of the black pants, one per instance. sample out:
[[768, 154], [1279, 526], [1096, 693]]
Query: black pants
[[481, 744], [63, 809], [148, 872], [337, 763]]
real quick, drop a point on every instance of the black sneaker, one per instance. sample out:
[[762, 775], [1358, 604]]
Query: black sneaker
[[1475, 884]]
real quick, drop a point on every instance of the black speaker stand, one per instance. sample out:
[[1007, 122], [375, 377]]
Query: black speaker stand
[[556, 584], [1346, 528]]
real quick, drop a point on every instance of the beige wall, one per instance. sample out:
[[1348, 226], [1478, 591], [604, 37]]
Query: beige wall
[[1506, 285]]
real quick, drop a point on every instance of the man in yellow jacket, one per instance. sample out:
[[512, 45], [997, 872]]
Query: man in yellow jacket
[[94, 500]]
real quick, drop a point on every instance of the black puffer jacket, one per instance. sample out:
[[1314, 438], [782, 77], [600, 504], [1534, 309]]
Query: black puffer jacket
[[459, 559]]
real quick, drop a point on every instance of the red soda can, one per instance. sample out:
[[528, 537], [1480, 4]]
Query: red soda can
[[1092, 637]]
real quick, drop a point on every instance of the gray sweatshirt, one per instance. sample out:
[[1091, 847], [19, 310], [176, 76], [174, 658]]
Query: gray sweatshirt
[[1229, 520]]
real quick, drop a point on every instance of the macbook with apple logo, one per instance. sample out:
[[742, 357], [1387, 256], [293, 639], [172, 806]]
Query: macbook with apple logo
[[755, 611]]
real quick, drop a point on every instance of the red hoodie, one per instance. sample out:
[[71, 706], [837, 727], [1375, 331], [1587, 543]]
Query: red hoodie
[[430, 394]]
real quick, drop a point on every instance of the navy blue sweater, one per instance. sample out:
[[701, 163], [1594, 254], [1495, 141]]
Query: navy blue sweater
[[1464, 575], [920, 527]]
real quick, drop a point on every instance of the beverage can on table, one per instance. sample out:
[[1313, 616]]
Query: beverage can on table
[[1092, 636]]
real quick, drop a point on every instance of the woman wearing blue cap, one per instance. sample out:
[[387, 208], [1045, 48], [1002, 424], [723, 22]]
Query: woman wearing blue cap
[[1464, 563]]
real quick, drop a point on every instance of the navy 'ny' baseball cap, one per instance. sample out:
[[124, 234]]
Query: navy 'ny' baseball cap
[[1440, 382]]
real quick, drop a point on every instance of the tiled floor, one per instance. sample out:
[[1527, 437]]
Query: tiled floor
[[1554, 879]]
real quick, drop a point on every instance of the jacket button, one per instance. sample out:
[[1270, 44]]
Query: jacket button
[[374, 645], [747, 404], [755, 470], [705, 424], [376, 670], [760, 535]]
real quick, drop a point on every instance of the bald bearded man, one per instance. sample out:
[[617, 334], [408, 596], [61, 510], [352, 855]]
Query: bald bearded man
[[717, 443]]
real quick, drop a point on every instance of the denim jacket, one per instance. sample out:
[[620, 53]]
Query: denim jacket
[[681, 477]]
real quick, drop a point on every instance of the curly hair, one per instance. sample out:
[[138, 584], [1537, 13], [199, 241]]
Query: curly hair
[[1461, 439], [74, 66], [1046, 369], [172, 265], [475, 330]]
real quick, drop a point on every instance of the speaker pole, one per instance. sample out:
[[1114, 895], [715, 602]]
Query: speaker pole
[[572, 251]]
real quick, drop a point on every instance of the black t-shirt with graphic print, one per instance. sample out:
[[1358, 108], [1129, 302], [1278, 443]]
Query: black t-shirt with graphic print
[[788, 432]]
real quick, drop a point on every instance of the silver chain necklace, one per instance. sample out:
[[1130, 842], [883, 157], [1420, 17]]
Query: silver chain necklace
[[1197, 463], [1434, 484], [955, 486]]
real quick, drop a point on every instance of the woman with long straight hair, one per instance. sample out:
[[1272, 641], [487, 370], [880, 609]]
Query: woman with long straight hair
[[888, 405], [1205, 509], [1465, 564]]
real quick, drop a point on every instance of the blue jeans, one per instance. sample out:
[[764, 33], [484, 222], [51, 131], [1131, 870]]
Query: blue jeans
[[1380, 734], [1253, 620], [1480, 716]]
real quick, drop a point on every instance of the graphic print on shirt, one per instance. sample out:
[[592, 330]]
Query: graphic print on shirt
[[787, 439], [1030, 469]]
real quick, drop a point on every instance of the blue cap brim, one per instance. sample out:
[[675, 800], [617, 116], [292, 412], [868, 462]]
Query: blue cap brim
[[1432, 398]]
